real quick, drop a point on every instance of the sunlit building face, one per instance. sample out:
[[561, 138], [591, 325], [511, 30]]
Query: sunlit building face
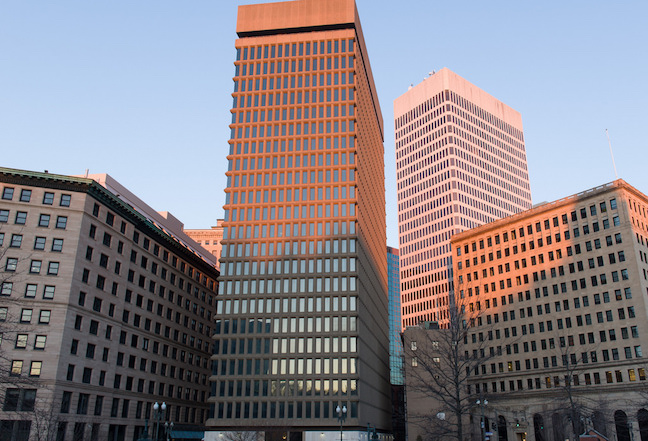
[[303, 304], [554, 286], [552, 302], [461, 162]]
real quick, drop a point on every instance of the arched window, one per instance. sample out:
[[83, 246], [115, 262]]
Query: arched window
[[538, 427], [642, 418], [558, 428], [502, 433], [621, 423], [598, 421]]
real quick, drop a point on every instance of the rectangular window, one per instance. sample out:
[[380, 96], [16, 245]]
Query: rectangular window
[[44, 220], [35, 266], [48, 292], [35, 368], [98, 405], [21, 217], [7, 193], [21, 341], [11, 264], [6, 289], [12, 397], [40, 341], [26, 315], [61, 222], [65, 402], [57, 245], [53, 268], [30, 290], [44, 316], [82, 409], [25, 195], [16, 240], [16, 368], [19, 400], [39, 243]]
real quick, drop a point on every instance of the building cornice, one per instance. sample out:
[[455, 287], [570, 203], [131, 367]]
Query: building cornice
[[101, 194], [547, 207]]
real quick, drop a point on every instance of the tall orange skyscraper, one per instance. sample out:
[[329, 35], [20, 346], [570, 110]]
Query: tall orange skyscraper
[[461, 163], [301, 339]]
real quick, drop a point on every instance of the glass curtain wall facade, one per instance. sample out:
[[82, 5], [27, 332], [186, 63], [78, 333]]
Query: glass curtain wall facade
[[395, 329], [396, 346], [302, 316], [461, 163]]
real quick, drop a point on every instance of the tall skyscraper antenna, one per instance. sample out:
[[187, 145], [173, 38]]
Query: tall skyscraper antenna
[[616, 175]]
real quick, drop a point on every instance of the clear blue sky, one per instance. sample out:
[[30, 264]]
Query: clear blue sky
[[141, 89]]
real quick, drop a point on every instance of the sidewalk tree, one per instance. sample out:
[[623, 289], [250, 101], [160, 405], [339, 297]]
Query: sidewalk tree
[[440, 370]]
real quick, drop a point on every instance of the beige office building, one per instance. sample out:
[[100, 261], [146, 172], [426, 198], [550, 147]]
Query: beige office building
[[106, 308], [555, 301], [210, 239]]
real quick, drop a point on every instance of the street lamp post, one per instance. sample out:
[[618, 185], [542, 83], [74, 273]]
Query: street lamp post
[[481, 404], [144, 436], [372, 435], [159, 413], [341, 413], [168, 427]]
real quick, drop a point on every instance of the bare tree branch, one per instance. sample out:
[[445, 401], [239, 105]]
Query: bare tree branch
[[439, 372]]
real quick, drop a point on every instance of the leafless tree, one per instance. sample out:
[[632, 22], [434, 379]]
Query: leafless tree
[[45, 420], [440, 364], [12, 330], [251, 435], [572, 405]]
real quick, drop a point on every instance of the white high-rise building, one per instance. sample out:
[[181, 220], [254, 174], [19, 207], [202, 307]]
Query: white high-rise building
[[461, 163]]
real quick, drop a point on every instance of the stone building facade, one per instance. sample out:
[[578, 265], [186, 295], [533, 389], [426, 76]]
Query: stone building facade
[[106, 307], [210, 239], [554, 301]]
